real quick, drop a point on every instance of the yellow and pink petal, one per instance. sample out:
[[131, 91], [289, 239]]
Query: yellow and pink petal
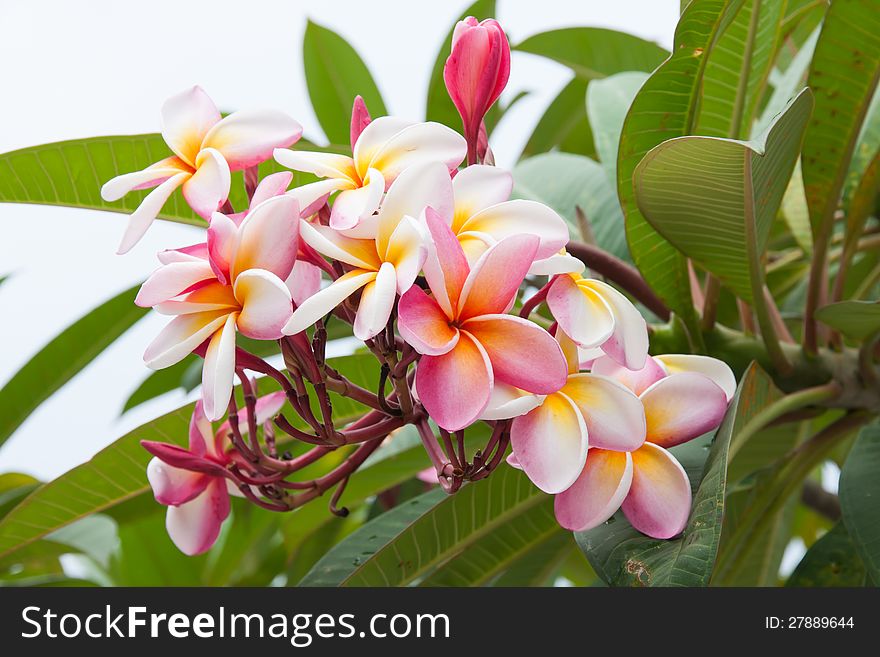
[[659, 499], [597, 493], [712, 368], [495, 279], [681, 407], [581, 313], [615, 417], [424, 325], [636, 380], [249, 137]]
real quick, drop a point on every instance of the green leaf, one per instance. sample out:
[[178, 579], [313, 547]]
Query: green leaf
[[859, 491], [405, 544], [795, 212], [565, 182], [15, 486], [608, 101], [61, 359], [716, 199], [665, 108], [71, 173], [563, 126], [855, 319], [594, 52], [335, 74], [622, 556], [832, 561], [439, 106], [843, 77], [787, 85], [537, 566], [737, 71], [117, 473]]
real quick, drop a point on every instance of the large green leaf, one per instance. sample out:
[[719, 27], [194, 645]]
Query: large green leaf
[[68, 353], [855, 319], [439, 106], [335, 74], [536, 566], [716, 199], [859, 494], [843, 77], [406, 544], [737, 71], [116, 474], [594, 52], [831, 561], [608, 101], [565, 182], [665, 108], [787, 85], [563, 126], [622, 556], [71, 173]]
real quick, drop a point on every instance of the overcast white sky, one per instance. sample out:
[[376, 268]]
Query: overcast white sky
[[97, 67]]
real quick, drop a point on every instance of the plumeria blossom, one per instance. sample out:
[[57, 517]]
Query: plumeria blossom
[[192, 482], [234, 282], [384, 149], [207, 148], [483, 215], [683, 397], [476, 72], [594, 314], [550, 442], [467, 342], [384, 266]]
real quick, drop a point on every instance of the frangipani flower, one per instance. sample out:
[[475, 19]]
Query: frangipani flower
[[476, 72], [484, 216], [239, 286], [550, 442], [206, 149], [192, 482], [384, 266], [384, 149], [467, 342], [594, 314], [682, 401]]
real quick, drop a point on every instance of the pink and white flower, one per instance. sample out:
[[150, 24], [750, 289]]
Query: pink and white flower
[[192, 482], [233, 283], [468, 343], [384, 266], [681, 402], [207, 148], [384, 149], [594, 314]]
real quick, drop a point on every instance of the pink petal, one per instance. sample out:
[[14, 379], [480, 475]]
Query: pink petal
[[155, 174], [636, 380], [195, 526], [716, 370], [360, 119], [377, 301], [171, 280], [551, 443], [597, 493], [186, 254], [312, 196], [265, 304], [323, 302], [628, 344], [274, 184], [200, 431], [182, 335], [521, 217], [681, 407], [446, 268], [303, 282], [406, 250], [353, 205], [186, 119], [269, 237], [614, 415], [208, 188], [323, 165], [424, 325], [174, 485], [222, 245], [455, 387], [248, 138], [584, 315], [659, 500], [507, 401], [522, 353], [373, 138], [477, 187], [183, 459], [496, 277], [141, 219], [219, 369]]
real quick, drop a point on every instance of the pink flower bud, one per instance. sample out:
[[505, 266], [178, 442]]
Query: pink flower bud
[[476, 72], [360, 119]]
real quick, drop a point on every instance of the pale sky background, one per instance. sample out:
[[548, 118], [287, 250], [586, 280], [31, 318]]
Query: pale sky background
[[81, 69]]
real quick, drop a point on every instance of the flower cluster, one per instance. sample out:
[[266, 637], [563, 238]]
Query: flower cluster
[[425, 258]]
